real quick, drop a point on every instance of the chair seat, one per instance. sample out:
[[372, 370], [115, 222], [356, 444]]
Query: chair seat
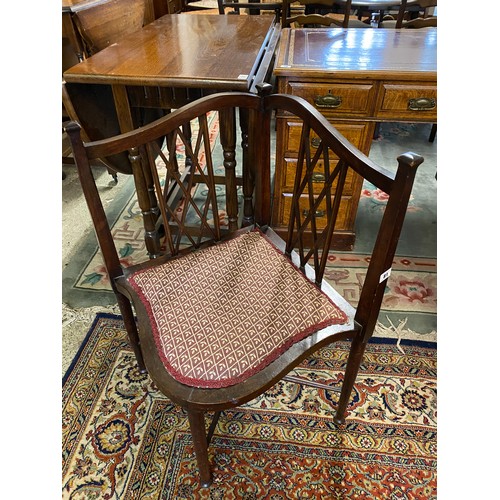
[[216, 325]]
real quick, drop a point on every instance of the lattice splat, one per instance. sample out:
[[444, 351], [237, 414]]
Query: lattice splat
[[179, 184], [319, 181]]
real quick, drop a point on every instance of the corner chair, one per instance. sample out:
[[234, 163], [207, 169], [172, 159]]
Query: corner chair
[[229, 310]]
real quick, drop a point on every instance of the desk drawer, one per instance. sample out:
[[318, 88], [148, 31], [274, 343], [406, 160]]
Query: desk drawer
[[321, 218], [319, 177], [335, 98], [354, 132], [416, 102]]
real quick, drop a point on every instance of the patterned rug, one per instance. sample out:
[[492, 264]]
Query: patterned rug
[[411, 294], [123, 440]]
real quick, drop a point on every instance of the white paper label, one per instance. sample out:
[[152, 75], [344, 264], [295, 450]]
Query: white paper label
[[385, 275]]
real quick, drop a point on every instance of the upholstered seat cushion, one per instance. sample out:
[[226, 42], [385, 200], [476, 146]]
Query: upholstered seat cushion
[[221, 314]]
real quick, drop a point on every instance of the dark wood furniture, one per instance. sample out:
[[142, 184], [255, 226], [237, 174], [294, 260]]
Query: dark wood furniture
[[153, 9], [101, 24], [187, 51], [105, 23], [312, 13], [162, 7], [415, 16], [252, 8], [355, 78], [419, 14], [106, 8], [379, 8], [179, 58], [224, 312], [69, 30]]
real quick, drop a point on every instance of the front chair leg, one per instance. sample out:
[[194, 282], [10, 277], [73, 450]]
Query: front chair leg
[[353, 363], [198, 433], [131, 327]]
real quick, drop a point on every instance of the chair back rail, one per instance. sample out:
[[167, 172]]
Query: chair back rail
[[147, 146], [414, 16], [254, 8]]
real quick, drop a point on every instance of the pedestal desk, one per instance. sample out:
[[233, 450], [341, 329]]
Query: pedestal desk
[[356, 78]]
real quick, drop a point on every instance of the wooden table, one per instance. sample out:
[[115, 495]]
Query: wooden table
[[153, 10], [370, 5], [356, 78], [174, 55], [379, 6]]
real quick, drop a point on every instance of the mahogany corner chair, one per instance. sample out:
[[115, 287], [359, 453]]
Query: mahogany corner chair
[[227, 311]]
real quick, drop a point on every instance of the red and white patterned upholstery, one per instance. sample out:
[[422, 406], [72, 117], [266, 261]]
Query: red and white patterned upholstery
[[221, 314]]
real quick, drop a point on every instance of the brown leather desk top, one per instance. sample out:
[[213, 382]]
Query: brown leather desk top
[[362, 53]]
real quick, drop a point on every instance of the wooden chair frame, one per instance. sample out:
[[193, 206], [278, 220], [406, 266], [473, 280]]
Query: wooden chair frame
[[336, 157], [288, 18], [424, 21], [254, 8]]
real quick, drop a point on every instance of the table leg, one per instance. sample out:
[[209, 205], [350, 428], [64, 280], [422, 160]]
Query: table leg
[[146, 197]]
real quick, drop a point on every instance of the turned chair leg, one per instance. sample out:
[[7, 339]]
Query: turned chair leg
[[131, 327], [353, 363], [198, 433]]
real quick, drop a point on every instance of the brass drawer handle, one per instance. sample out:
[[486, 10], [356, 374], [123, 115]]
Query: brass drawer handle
[[318, 213], [328, 101], [315, 142], [317, 178], [421, 104]]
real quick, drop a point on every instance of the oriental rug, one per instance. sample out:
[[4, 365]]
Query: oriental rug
[[123, 440]]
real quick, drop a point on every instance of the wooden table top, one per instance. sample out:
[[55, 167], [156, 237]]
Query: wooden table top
[[360, 53], [202, 51]]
